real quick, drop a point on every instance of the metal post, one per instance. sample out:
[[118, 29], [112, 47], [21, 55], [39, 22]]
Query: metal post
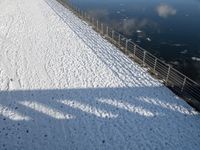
[[155, 64], [80, 12], [126, 47], [119, 39], [113, 35], [168, 72], [83, 14], [107, 31], [93, 21], [183, 85], [143, 61], [97, 25], [102, 28], [77, 10], [134, 50], [89, 19], [87, 16]]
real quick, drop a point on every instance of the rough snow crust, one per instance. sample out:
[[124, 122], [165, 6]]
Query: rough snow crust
[[62, 86]]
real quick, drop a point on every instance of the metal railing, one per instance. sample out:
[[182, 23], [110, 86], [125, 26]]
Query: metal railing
[[175, 80]]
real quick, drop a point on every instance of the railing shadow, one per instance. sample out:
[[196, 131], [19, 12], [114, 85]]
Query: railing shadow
[[94, 117]]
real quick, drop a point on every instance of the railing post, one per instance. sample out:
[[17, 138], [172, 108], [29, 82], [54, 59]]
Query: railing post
[[126, 47], [107, 31], [85, 16], [168, 72], [155, 64], [119, 38], [82, 14], [77, 10], [102, 28], [144, 57], [89, 19], [183, 85], [97, 25], [113, 35], [134, 50], [93, 22]]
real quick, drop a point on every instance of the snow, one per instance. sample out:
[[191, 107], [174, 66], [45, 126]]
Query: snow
[[62, 86], [148, 39], [139, 31], [195, 58]]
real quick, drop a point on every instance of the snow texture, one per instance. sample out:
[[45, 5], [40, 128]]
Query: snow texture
[[63, 86]]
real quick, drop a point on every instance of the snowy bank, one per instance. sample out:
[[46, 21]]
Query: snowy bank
[[62, 86]]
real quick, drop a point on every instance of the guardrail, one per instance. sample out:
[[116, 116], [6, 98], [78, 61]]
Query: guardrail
[[175, 80]]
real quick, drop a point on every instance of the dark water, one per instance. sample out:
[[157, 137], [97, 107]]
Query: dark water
[[170, 29]]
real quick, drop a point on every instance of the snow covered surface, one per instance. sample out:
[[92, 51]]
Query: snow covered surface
[[62, 86]]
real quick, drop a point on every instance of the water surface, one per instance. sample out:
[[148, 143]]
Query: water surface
[[170, 29]]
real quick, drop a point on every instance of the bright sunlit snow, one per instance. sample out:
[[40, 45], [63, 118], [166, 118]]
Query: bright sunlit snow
[[62, 86]]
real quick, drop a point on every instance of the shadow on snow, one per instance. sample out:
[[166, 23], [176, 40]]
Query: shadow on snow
[[63, 118]]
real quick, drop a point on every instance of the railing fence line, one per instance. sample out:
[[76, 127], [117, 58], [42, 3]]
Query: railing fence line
[[178, 82]]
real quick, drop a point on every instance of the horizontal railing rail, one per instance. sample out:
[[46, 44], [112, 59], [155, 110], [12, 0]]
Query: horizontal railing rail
[[175, 80]]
